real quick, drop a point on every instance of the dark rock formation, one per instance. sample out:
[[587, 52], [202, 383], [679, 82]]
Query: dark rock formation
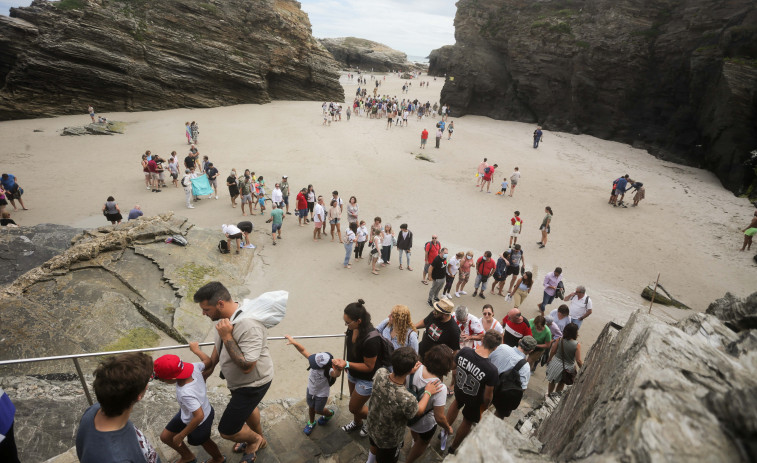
[[108, 128], [737, 314], [132, 55], [678, 78], [366, 55], [23, 248]]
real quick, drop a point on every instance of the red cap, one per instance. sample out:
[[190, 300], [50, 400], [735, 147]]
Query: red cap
[[171, 367]]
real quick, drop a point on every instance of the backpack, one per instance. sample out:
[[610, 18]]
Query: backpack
[[387, 348], [516, 227], [510, 380], [560, 291], [179, 239], [487, 170], [418, 394], [326, 368], [223, 247]]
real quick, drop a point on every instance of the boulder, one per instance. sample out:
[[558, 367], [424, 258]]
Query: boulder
[[59, 57], [23, 248], [108, 128], [366, 55], [493, 440], [676, 78], [737, 314]]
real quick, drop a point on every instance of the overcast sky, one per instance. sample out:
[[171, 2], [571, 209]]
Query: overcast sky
[[413, 26]]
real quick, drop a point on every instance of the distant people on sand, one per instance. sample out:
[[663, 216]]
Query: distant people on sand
[[451, 128], [487, 180], [194, 129], [514, 179], [188, 132], [424, 138], [619, 191], [640, 193], [13, 190], [111, 211], [480, 174], [749, 233], [136, 212], [537, 136], [545, 227], [91, 111]]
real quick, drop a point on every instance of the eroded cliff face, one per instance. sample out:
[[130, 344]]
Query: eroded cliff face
[[132, 55], [678, 77], [352, 52]]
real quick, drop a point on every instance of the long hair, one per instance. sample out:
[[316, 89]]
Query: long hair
[[357, 311], [528, 279], [402, 323]]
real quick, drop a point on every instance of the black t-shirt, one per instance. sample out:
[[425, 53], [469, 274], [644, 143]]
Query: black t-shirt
[[473, 374], [439, 332], [211, 172], [437, 268], [189, 161], [4, 222], [365, 348]]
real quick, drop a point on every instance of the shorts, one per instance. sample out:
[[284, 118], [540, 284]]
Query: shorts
[[423, 141], [391, 455], [512, 270], [362, 386], [316, 403], [464, 277], [425, 267], [428, 435], [750, 231], [154, 175], [302, 213], [243, 402], [261, 200], [508, 401], [245, 226], [334, 221], [246, 199], [471, 406], [286, 200], [236, 236], [213, 183], [175, 175], [515, 234], [275, 227], [317, 224], [200, 435], [513, 182], [311, 206], [499, 277], [15, 194], [389, 120], [613, 192]]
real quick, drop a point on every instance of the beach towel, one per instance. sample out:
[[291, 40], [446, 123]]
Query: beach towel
[[201, 186]]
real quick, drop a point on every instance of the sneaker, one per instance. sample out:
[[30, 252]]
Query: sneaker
[[475, 293], [457, 294], [216, 197], [463, 293], [308, 430], [190, 207], [349, 427], [325, 419], [443, 439], [482, 295], [436, 299], [364, 430]]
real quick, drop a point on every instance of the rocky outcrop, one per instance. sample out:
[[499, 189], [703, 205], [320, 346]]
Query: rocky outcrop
[[116, 287], [366, 55], [23, 248], [678, 78], [108, 128], [133, 55]]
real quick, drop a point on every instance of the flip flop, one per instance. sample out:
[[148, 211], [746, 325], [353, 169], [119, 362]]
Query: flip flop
[[248, 458], [239, 447]]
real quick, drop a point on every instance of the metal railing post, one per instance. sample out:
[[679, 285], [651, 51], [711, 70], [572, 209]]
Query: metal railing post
[[83, 382], [344, 356]]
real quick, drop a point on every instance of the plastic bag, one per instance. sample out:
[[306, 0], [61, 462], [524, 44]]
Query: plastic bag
[[268, 308]]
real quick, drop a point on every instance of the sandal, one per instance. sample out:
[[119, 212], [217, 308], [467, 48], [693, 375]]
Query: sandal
[[248, 458], [239, 447]]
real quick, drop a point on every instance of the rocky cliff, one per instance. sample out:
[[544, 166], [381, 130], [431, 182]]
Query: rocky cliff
[[132, 55], [677, 77], [366, 55]]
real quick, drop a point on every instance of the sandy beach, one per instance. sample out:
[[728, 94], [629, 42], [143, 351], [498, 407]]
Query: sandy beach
[[687, 228]]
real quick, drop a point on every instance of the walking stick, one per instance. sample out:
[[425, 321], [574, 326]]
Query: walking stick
[[653, 293], [344, 355]]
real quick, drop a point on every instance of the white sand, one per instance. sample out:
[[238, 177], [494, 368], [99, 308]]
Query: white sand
[[688, 228]]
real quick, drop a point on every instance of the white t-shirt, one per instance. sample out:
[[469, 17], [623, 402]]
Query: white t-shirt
[[561, 324], [515, 177], [579, 307], [231, 229], [388, 239], [319, 213], [452, 266], [277, 196], [437, 400], [318, 383], [362, 234], [193, 395], [350, 236]]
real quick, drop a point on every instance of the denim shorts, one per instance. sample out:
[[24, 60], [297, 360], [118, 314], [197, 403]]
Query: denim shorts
[[362, 386]]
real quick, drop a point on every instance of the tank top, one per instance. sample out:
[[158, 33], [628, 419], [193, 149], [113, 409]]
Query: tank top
[[110, 207], [569, 347]]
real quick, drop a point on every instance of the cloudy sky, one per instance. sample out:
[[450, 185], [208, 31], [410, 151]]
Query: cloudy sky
[[413, 26]]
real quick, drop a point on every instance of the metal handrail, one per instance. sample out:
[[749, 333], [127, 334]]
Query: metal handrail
[[76, 357]]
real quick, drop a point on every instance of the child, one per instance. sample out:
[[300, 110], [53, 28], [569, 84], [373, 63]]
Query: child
[[504, 187], [195, 417], [322, 376], [517, 224]]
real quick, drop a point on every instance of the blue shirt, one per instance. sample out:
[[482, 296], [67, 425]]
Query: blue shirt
[[386, 333], [621, 184], [504, 359], [8, 184], [135, 214], [7, 413]]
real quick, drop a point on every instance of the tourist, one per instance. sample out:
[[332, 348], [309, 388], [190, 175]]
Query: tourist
[[284, 186], [387, 241], [431, 250], [749, 233], [91, 111], [152, 167], [511, 359], [111, 211], [640, 193], [245, 191], [580, 305], [231, 183], [561, 318], [364, 357], [311, 197], [319, 218], [277, 220], [195, 129], [618, 189], [8, 449], [246, 227], [188, 132], [186, 183], [13, 191], [399, 328], [189, 163], [394, 405], [487, 180], [322, 374], [500, 273], [212, 173], [543, 336], [537, 136], [376, 245], [450, 129], [438, 136], [503, 188], [522, 289], [488, 321], [146, 170], [453, 266], [302, 207], [562, 356], [194, 420], [471, 330], [440, 328], [376, 228], [484, 269], [349, 243], [464, 274], [362, 237], [474, 386], [334, 219], [551, 280], [6, 220], [434, 367], [424, 134], [352, 210], [516, 258], [517, 226], [545, 227], [404, 245], [437, 276], [173, 167], [232, 232], [242, 352], [161, 170], [514, 179], [480, 174], [136, 212], [277, 197], [516, 326], [105, 431]]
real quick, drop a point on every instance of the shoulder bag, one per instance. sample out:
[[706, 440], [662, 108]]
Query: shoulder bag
[[568, 376]]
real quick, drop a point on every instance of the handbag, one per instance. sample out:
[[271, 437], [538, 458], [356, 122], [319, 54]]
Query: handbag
[[568, 376]]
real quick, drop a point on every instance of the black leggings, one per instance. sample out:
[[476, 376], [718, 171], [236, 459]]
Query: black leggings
[[448, 284], [359, 249], [386, 253]]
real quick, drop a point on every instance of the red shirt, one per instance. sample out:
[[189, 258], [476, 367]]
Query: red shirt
[[488, 176], [433, 251], [152, 166], [302, 201], [514, 332], [516, 219], [485, 267], [424, 134]]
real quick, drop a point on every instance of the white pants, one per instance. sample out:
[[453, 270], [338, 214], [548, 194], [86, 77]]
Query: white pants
[[188, 194]]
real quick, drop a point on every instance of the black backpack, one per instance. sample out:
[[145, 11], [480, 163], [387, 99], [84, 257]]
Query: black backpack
[[326, 368], [387, 348], [223, 247], [418, 393], [510, 380]]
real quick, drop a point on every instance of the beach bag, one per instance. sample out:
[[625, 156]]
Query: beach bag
[[268, 308], [516, 227], [418, 394], [223, 247], [567, 376], [510, 380], [560, 291], [180, 240]]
